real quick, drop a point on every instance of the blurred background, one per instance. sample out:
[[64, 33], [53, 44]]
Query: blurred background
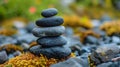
[[89, 24], [30, 9], [79, 10]]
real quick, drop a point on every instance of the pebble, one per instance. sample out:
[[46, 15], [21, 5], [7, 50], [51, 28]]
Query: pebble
[[91, 40], [105, 64], [100, 32], [104, 53], [49, 12], [48, 31], [7, 40], [3, 57], [52, 52], [108, 64], [96, 23], [115, 39], [30, 26], [73, 41], [72, 62], [52, 41], [11, 56], [51, 21], [106, 48], [27, 38], [25, 45], [17, 53], [105, 18], [69, 32]]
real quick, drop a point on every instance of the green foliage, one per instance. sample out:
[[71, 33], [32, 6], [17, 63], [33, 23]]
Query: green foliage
[[8, 65], [21, 8]]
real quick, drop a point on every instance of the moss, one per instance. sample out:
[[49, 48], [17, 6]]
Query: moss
[[31, 60], [84, 34], [11, 47], [8, 32], [111, 27], [34, 43], [76, 21]]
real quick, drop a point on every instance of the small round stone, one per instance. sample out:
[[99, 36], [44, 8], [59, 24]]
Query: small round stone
[[48, 31], [51, 41], [52, 52], [3, 57], [17, 53], [49, 12], [51, 21]]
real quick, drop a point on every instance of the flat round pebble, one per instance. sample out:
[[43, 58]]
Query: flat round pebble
[[49, 12], [3, 57], [17, 53], [51, 41], [53, 52], [71, 62], [51, 21], [48, 31]]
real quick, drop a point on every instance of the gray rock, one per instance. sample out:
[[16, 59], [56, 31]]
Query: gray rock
[[105, 18], [100, 32], [52, 41], [73, 41], [115, 39], [7, 40], [105, 53], [48, 31], [10, 56], [49, 12], [105, 64], [72, 62], [106, 39], [25, 45], [17, 53], [106, 48], [27, 38], [3, 57], [69, 32], [30, 26], [96, 23], [91, 40], [51, 21], [53, 52]]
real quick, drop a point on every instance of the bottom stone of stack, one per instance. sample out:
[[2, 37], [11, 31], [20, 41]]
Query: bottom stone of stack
[[52, 52]]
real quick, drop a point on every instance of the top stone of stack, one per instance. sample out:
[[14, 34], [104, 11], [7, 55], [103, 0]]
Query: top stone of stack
[[49, 12]]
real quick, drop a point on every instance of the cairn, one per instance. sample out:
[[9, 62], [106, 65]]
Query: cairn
[[49, 32]]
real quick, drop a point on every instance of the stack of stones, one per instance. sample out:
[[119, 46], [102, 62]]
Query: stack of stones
[[51, 42]]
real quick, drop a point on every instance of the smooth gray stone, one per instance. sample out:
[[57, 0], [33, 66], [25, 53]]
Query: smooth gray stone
[[10, 56], [48, 31], [69, 32], [115, 39], [72, 62], [49, 12], [52, 52], [3, 57], [50, 21], [110, 51], [91, 40], [26, 38], [106, 48], [30, 26], [52, 41], [17, 53], [109, 64]]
